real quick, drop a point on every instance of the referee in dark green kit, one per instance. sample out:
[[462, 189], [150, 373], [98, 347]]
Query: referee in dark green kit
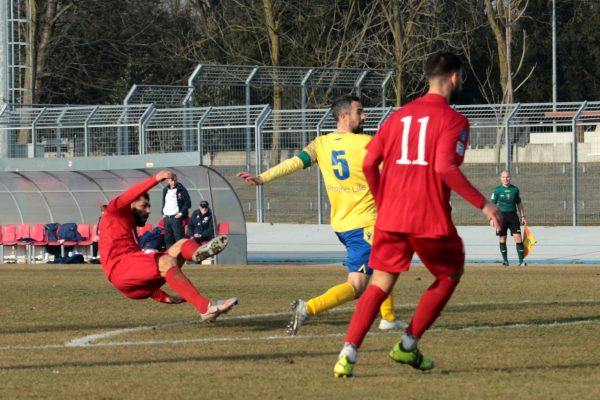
[[507, 197]]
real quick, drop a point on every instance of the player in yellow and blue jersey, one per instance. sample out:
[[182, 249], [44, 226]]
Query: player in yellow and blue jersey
[[340, 156]]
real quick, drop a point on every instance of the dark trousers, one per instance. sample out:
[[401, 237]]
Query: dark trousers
[[173, 230]]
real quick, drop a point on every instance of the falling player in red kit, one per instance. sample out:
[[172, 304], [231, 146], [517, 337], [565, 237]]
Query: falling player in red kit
[[421, 147], [139, 274]]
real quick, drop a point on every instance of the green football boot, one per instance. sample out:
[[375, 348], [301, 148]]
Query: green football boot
[[343, 368], [413, 358]]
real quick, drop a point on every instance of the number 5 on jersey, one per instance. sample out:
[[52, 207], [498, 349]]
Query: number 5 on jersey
[[406, 121], [338, 159]]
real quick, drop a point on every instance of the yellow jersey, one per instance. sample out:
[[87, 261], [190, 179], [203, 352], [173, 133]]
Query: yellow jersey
[[340, 157]]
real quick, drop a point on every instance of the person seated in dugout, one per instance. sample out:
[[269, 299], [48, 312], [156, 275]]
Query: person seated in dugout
[[201, 225]]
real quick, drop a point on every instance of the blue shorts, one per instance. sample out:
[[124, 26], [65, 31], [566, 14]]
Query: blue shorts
[[358, 248]]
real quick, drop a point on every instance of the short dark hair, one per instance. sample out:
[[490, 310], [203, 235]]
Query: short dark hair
[[342, 104], [145, 196], [442, 63]]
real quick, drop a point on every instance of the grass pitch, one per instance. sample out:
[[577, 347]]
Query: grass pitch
[[507, 333]]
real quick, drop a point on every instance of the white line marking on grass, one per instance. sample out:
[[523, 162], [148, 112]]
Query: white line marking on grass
[[285, 337], [90, 339]]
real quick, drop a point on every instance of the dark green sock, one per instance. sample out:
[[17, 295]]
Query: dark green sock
[[503, 251], [520, 251]]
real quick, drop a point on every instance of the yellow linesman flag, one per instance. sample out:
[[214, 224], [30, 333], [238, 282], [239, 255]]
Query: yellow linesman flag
[[528, 241]]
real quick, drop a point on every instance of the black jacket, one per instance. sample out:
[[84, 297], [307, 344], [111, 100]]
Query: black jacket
[[202, 224], [183, 199]]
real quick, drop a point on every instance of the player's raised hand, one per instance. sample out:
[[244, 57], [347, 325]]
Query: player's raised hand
[[492, 213], [164, 174], [249, 178]]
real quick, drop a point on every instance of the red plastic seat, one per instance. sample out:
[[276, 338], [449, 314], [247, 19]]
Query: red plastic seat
[[223, 228], [38, 234], [23, 232], [9, 237], [24, 240], [84, 231]]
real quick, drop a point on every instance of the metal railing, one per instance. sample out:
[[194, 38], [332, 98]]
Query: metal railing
[[553, 151]]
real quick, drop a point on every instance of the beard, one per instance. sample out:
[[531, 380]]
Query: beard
[[358, 129], [139, 218]]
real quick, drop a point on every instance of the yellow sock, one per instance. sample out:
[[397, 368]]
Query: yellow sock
[[387, 309], [335, 296]]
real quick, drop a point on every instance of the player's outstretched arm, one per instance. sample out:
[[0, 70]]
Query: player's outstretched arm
[[492, 214], [249, 178], [304, 159], [134, 192]]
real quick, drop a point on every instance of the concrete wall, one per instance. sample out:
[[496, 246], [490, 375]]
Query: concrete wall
[[317, 243]]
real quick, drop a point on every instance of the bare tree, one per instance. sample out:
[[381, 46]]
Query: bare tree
[[44, 15], [413, 29], [504, 17]]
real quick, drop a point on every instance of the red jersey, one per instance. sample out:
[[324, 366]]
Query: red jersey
[[421, 146], [118, 228]]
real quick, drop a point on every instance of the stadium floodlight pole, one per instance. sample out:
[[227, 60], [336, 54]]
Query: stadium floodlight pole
[[554, 81], [574, 160]]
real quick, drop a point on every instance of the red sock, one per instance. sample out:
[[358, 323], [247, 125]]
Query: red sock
[[366, 310], [431, 305], [188, 249], [182, 285]]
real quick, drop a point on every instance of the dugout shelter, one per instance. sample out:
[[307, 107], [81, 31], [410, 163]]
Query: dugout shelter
[[43, 196]]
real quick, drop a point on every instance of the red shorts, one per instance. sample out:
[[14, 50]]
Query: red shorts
[[136, 274], [393, 251]]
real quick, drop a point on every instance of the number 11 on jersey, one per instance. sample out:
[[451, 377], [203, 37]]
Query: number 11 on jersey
[[406, 121]]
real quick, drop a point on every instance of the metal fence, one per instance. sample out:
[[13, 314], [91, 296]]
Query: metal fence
[[553, 151], [290, 87], [287, 87]]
